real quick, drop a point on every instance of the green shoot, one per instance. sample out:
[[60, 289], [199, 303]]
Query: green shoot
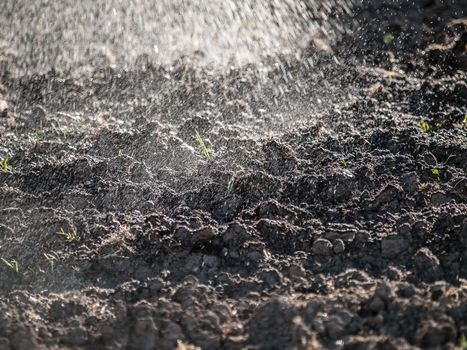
[[202, 146], [435, 172], [230, 185], [463, 342], [388, 38], [343, 162], [12, 264], [133, 153], [5, 165], [465, 119], [425, 126], [185, 74], [51, 259], [70, 236]]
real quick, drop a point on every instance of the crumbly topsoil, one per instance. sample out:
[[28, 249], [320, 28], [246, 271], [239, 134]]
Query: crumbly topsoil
[[329, 211]]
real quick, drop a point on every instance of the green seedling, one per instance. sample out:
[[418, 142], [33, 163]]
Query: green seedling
[[51, 259], [463, 342], [202, 146], [436, 171], [343, 162], [425, 126], [12, 264], [133, 153], [70, 236], [5, 165], [230, 185], [185, 74], [388, 38]]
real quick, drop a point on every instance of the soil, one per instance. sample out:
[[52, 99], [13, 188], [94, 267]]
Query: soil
[[326, 209]]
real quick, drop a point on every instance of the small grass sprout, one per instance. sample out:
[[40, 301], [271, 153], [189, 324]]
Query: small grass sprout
[[133, 153], [202, 146], [51, 259], [343, 162], [463, 342], [425, 126], [388, 38], [185, 73], [5, 165], [438, 164], [230, 185], [70, 236], [12, 264]]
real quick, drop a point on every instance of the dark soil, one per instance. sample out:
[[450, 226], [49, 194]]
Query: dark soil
[[332, 212]]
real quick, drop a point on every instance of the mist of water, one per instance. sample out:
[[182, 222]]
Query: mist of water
[[69, 35]]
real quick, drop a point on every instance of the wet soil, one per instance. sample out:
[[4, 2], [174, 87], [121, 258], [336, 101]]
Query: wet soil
[[326, 209]]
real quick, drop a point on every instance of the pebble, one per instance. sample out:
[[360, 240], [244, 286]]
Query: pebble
[[425, 259], [271, 277], [339, 246], [344, 232], [390, 193], [433, 334], [410, 182], [439, 198], [393, 245], [204, 234], [322, 247], [38, 112], [427, 264]]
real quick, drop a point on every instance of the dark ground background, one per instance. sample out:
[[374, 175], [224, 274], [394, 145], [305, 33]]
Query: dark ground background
[[332, 210]]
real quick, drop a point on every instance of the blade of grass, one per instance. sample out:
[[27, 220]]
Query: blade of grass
[[5, 165], [202, 146], [13, 264]]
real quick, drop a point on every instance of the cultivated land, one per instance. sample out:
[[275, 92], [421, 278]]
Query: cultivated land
[[316, 201]]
